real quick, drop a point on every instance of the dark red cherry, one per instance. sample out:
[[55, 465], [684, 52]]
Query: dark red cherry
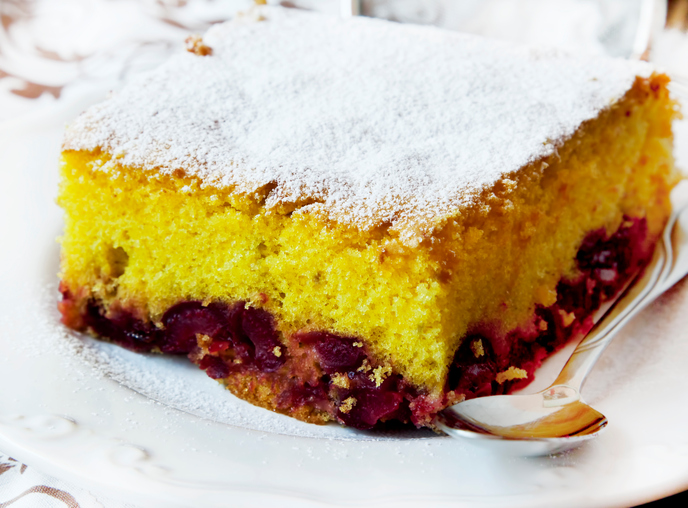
[[122, 329], [185, 320], [214, 366], [371, 406], [337, 354], [217, 346], [270, 354], [307, 394]]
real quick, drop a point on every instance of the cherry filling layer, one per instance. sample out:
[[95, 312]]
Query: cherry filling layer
[[335, 375]]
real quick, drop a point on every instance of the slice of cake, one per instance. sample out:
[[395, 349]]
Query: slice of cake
[[362, 221]]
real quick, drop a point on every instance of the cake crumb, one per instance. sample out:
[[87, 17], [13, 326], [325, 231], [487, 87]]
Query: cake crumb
[[347, 405], [203, 341], [510, 374], [341, 380], [277, 351], [545, 296], [477, 348], [365, 366], [567, 317], [194, 44], [380, 374], [358, 344], [455, 398], [543, 325]]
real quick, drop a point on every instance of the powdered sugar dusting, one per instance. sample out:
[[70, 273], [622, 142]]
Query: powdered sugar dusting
[[364, 120]]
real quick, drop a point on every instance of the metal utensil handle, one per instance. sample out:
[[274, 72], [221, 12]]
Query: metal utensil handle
[[350, 8]]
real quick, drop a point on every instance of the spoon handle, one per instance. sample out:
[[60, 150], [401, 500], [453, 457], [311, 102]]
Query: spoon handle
[[664, 270], [350, 8]]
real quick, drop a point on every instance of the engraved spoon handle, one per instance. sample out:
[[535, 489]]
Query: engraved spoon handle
[[664, 270]]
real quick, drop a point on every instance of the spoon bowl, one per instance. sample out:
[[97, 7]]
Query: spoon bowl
[[550, 421]]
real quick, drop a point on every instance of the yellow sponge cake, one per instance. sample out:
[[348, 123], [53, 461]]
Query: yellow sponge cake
[[362, 221]]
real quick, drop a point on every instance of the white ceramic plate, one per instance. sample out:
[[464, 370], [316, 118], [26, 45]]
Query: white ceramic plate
[[158, 432]]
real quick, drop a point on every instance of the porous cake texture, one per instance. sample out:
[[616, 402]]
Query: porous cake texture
[[362, 221]]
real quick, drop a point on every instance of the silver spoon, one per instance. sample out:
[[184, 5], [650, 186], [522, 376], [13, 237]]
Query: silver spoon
[[556, 419]]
